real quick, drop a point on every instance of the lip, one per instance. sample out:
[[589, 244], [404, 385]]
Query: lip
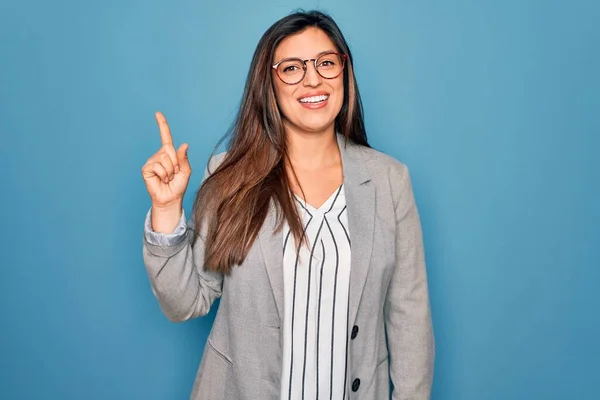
[[311, 94], [314, 106]]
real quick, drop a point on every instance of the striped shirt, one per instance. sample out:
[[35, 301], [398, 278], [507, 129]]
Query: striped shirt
[[316, 282]]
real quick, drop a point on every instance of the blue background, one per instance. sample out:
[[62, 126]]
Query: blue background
[[494, 106]]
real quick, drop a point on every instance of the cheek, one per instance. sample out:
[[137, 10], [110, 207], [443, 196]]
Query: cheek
[[284, 96], [339, 90]]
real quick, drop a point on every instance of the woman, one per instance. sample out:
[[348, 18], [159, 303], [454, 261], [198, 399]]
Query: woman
[[311, 239]]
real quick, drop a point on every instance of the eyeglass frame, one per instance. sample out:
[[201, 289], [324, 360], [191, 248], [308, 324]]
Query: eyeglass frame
[[344, 58]]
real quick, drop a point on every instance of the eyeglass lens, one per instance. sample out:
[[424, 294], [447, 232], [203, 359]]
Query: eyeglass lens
[[328, 66]]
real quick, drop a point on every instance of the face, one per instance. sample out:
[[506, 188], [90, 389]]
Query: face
[[312, 104]]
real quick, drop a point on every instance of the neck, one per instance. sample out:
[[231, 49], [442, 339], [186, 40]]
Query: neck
[[312, 150]]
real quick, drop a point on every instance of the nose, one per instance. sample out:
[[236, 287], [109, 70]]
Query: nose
[[312, 77]]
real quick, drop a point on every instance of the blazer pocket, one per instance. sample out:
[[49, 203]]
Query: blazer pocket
[[214, 375], [380, 382], [219, 353]]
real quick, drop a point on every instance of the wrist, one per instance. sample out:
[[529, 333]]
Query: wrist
[[165, 218], [174, 207]]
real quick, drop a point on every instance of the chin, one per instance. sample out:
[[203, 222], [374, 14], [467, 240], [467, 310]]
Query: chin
[[315, 127], [315, 124]]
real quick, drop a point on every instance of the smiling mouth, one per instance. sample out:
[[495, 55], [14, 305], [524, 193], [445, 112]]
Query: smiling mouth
[[314, 99]]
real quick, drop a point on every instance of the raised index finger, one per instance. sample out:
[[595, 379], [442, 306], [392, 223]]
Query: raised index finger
[[165, 132]]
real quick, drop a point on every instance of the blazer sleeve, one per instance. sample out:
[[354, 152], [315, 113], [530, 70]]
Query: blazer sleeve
[[175, 267], [407, 310], [165, 239]]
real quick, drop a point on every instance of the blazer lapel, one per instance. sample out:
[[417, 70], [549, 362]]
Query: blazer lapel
[[360, 203], [271, 243]]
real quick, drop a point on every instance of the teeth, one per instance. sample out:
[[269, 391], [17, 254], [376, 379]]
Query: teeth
[[314, 99]]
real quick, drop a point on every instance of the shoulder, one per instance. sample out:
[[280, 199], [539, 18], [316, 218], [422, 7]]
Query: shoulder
[[378, 161], [386, 171], [214, 161]]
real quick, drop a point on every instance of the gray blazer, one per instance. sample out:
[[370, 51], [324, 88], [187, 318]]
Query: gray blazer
[[388, 305]]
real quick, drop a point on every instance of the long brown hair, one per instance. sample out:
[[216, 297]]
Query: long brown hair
[[234, 200]]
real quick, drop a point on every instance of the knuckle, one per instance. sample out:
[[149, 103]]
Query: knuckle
[[147, 166], [166, 161]]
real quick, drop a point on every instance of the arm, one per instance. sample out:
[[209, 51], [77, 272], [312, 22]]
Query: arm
[[176, 270], [407, 310]]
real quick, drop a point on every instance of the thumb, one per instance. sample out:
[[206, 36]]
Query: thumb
[[182, 158]]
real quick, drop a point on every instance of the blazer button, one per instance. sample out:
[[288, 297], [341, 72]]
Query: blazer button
[[355, 385], [354, 332]]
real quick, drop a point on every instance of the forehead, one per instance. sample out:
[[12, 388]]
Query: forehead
[[305, 44]]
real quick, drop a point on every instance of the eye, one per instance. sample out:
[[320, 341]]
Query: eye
[[290, 68], [328, 61]]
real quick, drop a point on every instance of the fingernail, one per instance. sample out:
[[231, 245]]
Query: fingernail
[[177, 169]]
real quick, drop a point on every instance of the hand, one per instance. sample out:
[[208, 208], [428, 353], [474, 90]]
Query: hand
[[167, 172]]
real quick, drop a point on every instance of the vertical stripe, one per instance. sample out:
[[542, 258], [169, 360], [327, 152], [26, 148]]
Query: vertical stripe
[[337, 263], [308, 308], [335, 199], [294, 307], [343, 227], [347, 312], [346, 363], [285, 241], [319, 313]]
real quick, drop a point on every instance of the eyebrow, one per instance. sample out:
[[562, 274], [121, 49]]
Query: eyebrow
[[317, 56], [325, 52]]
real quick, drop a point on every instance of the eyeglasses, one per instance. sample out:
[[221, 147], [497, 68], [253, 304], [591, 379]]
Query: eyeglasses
[[292, 70]]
